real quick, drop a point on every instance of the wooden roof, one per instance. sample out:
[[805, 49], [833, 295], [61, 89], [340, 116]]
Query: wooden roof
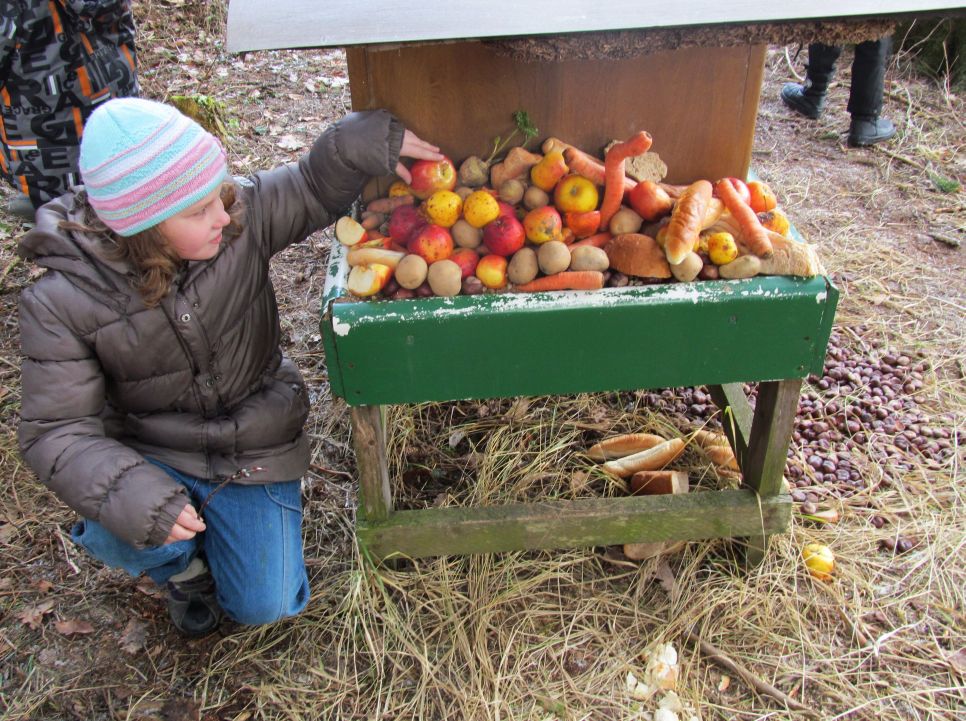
[[272, 24]]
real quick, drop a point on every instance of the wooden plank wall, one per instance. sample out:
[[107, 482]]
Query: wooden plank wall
[[699, 104]]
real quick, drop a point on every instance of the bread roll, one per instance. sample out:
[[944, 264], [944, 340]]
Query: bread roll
[[686, 222], [638, 255]]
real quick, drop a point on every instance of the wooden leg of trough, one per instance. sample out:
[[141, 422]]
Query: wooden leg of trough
[[760, 438], [369, 442], [653, 483]]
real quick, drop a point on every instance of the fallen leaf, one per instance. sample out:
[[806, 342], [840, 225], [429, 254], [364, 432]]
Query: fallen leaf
[[666, 576], [181, 709], [43, 586], [958, 661], [33, 615], [150, 588], [290, 142], [71, 626], [134, 635]]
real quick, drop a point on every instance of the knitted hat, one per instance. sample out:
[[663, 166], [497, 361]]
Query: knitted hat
[[143, 162]]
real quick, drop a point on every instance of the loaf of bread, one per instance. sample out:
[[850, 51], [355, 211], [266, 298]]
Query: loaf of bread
[[687, 219], [652, 459], [623, 445], [638, 255], [789, 256]]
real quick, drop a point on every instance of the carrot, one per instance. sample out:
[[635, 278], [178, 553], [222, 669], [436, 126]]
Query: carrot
[[598, 241], [387, 205], [753, 233], [516, 164], [590, 167], [614, 173], [565, 280]]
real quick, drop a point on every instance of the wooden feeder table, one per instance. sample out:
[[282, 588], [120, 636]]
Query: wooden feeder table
[[700, 105]]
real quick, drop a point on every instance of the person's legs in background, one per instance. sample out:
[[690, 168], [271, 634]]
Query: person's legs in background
[[865, 97], [809, 98]]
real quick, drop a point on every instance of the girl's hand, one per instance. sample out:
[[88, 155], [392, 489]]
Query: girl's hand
[[185, 526], [415, 147]]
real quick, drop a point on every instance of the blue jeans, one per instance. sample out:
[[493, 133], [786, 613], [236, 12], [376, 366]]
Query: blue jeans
[[252, 543]]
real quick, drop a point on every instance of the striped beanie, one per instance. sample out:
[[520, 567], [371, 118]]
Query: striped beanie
[[142, 162]]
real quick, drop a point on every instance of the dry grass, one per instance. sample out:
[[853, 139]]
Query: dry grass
[[548, 635]]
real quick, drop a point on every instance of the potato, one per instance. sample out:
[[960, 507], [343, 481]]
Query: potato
[[445, 278], [522, 267], [411, 271], [535, 197], [463, 191], [553, 257], [744, 266], [625, 220], [588, 257], [688, 269], [465, 235], [511, 191]]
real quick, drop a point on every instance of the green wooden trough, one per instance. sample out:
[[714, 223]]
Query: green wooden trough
[[772, 331]]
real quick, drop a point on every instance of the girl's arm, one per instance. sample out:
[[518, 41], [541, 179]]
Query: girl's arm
[[62, 435]]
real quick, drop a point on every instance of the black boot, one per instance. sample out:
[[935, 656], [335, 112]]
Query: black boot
[[192, 604], [809, 98], [868, 131]]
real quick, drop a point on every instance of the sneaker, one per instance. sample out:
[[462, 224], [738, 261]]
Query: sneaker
[[21, 207], [192, 604], [803, 99], [868, 131]]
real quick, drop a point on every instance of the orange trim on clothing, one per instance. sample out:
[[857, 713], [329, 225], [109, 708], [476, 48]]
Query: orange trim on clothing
[[78, 121], [128, 56], [24, 188], [85, 81], [55, 16], [87, 44], [5, 96]]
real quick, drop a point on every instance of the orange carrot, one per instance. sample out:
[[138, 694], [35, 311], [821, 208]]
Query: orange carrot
[[753, 232], [387, 205], [614, 173], [590, 167], [565, 280], [598, 241]]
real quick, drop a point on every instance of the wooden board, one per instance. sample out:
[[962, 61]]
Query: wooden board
[[699, 104], [259, 25]]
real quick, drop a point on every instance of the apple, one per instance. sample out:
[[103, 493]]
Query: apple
[[583, 225], [491, 270], [443, 207], [575, 194], [762, 197], [650, 200], [505, 235], [467, 259], [741, 188], [431, 243], [432, 175], [551, 168], [543, 224], [404, 221], [368, 279], [349, 231]]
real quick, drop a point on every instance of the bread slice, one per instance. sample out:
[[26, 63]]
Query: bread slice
[[638, 255], [623, 445]]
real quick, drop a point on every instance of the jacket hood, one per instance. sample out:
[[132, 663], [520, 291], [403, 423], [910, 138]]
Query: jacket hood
[[72, 252]]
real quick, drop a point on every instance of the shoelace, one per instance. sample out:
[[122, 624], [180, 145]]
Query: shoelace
[[225, 480]]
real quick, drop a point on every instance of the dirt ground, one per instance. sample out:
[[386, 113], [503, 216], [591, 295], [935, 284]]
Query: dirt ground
[[78, 641]]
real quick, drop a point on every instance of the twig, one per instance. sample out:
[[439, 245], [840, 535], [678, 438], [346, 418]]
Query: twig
[[718, 656], [322, 469], [903, 158], [63, 543], [791, 68], [947, 239]]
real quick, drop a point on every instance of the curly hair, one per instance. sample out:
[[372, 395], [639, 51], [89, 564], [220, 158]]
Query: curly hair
[[155, 263]]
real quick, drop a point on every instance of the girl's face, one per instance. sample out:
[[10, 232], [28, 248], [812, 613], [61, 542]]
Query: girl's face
[[195, 232]]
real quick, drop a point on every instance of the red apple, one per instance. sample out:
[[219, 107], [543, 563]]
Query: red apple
[[543, 224], [742, 189], [650, 200], [505, 235], [583, 225], [466, 259], [431, 243], [491, 270], [404, 222], [432, 175]]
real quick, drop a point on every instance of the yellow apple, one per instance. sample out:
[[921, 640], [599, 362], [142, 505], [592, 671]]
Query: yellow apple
[[551, 168], [443, 208], [480, 207], [575, 194], [367, 280], [491, 270]]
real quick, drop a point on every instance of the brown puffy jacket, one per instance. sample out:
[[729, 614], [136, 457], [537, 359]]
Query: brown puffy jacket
[[198, 382]]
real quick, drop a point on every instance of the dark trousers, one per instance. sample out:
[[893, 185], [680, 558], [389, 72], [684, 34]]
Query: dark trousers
[[868, 73]]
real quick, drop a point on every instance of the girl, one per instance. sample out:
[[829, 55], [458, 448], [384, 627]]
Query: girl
[[154, 385]]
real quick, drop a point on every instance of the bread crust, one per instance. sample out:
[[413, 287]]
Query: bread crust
[[652, 459], [623, 445]]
